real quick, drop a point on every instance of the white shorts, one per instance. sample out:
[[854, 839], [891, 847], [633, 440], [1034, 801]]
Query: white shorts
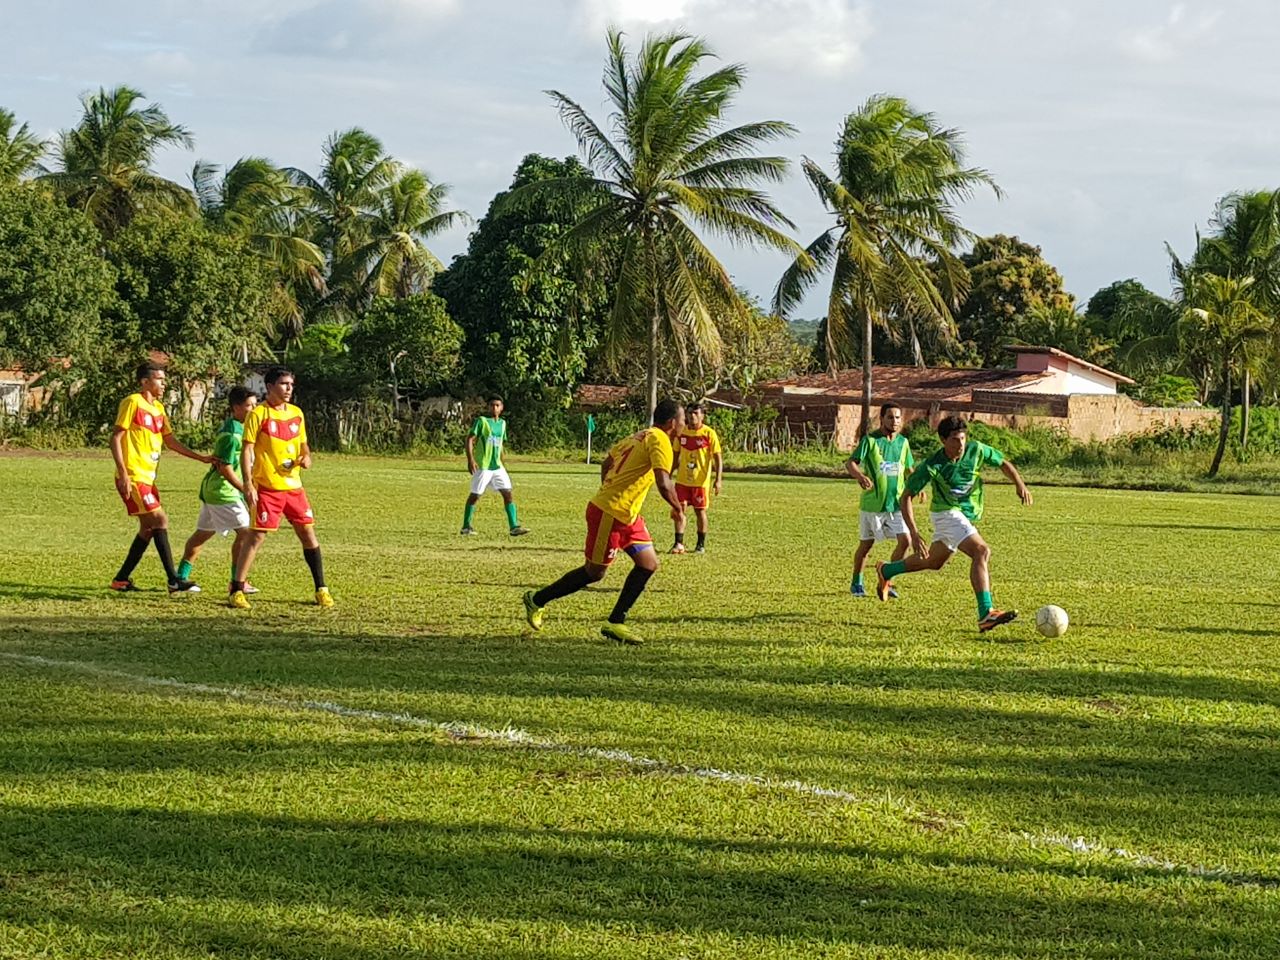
[[952, 528], [880, 526], [483, 480], [222, 517]]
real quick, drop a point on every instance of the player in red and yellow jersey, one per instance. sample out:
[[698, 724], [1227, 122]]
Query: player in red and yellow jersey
[[140, 432], [697, 451], [633, 465], [275, 449]]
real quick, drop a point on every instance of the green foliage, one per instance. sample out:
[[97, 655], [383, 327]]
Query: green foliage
[[415, 335], [1167, 390], [20, 149]]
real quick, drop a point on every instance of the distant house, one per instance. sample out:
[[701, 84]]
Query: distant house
[[1048, 386]]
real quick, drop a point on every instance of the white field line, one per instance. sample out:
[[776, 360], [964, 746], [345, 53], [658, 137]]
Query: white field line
[[515, 737]]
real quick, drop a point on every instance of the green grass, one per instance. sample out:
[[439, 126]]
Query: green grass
[[144, 821]]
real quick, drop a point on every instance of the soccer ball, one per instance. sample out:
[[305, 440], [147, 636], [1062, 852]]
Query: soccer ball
[[1051, 621]]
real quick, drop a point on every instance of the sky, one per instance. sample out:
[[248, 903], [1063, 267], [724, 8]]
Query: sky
[[1111, 127]]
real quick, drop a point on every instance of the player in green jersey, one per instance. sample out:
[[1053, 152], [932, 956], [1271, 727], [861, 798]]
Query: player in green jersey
[[954, 476], [881, 465], [487, 472], [222, 508]]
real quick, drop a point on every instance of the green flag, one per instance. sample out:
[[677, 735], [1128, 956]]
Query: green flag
[[591, 423]]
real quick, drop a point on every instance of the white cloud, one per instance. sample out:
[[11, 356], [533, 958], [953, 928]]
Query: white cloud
[[1171, 39], [354, 28], [808, 36], [169, 62]]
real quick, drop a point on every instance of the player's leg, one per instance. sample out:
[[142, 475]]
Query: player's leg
[[939, 553], [141, 540], [191, 549], [600, 549], [502, 483], [635, 539], [297, 510], [700, 515], [856, 585], [158, 521], [979, 554], [468, 514], [679, 518], [247, 553]]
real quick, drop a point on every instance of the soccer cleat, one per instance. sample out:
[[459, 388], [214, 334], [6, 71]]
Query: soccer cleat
[[858, 590], [678, 548], [467, 532], [882, 585], [323, 599], [699, 549], [183, 586], [250, 589], [532, 612], [622, 634], [893, 592], [518, 531], [123, 586], [238, 600], [996, 618]]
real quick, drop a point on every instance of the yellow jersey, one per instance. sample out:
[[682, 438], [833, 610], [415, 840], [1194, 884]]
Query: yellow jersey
[[277, 437], [695, 453], [145, 426], [624, 487]]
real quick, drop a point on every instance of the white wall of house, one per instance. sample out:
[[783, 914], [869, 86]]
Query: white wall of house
[[1069, 378]]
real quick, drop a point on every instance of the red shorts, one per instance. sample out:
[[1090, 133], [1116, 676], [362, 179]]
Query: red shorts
[[143, 498], [606, 536], [272, 503], [696, 497]]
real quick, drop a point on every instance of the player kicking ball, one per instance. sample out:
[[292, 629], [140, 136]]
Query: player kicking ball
[[487, 472], [222, 508], [634, 464], [697, 450], [141, 431], [954, 475], [881, 465], [275, 450]]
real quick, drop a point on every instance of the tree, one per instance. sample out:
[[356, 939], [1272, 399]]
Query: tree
[[411, 341], [105, 160], [20, 150], [1008, 278], [667, 169], [1064, 328], [898, 177]]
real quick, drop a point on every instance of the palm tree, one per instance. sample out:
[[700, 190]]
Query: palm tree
[[20, 150], [890, 249], [105, 160], [666, 168], [256, 200], [1064, 327]]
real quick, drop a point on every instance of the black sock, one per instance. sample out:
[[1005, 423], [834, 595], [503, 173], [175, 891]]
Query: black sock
[[312, 557], [161, 539], [680, 537], [702, 540], [237, 586], [571, 582], [136, 550], [632, 587]]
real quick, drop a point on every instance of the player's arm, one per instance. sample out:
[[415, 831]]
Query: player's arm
[[471, 453], [177, 446], [865, 482], [123, 483], [247, 456], [229, 474], [304, 455], [666, 486], [909, 521], [1010, 471], [605, 467], [719, 462]]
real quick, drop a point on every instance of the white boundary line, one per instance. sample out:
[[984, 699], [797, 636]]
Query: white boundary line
[[516, 737]]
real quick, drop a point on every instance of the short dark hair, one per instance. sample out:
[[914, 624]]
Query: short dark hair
[[949, 425], [275, 374], [239, 395], [889, 406], [665, 410], [493, 397], [145, 370], [696, 405]]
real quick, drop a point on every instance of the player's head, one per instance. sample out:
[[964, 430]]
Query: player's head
[[495, 406], [890, 418], [151, 378], [668, 416], [241, 400], [696, 414], [954, 432], [279, 381]]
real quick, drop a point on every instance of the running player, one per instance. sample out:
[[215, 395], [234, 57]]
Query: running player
[[222, 508], [955, 475], [141, 430], [881, 465], [633, 465], [487, 471], [697, 450], [275, 449]]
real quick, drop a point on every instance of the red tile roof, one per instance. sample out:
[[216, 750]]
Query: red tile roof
[[931, 384], [592, 395]]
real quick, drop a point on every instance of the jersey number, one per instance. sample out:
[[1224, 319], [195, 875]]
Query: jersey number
[[617, 467]]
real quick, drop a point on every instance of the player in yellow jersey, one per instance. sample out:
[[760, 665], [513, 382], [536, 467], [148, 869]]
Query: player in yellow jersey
[[275, 450], [141, 431], [634, 464], [697, 451]]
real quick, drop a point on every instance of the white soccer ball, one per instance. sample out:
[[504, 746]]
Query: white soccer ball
[[1051, 621]]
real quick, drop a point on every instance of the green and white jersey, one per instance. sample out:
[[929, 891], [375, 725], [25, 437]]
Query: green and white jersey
[[887, 463], [957, 484], [490, 433], [214, 488]]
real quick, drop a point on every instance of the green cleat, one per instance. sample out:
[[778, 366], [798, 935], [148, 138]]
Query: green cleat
[[622, 634], [532, 612]]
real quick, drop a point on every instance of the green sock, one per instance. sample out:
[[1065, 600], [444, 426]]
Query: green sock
[[512, 522], [857, 579], [893, 568], [184, 570], [984, 603], [468, 512]]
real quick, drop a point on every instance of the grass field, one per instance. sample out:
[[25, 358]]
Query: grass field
[[180, 780]]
